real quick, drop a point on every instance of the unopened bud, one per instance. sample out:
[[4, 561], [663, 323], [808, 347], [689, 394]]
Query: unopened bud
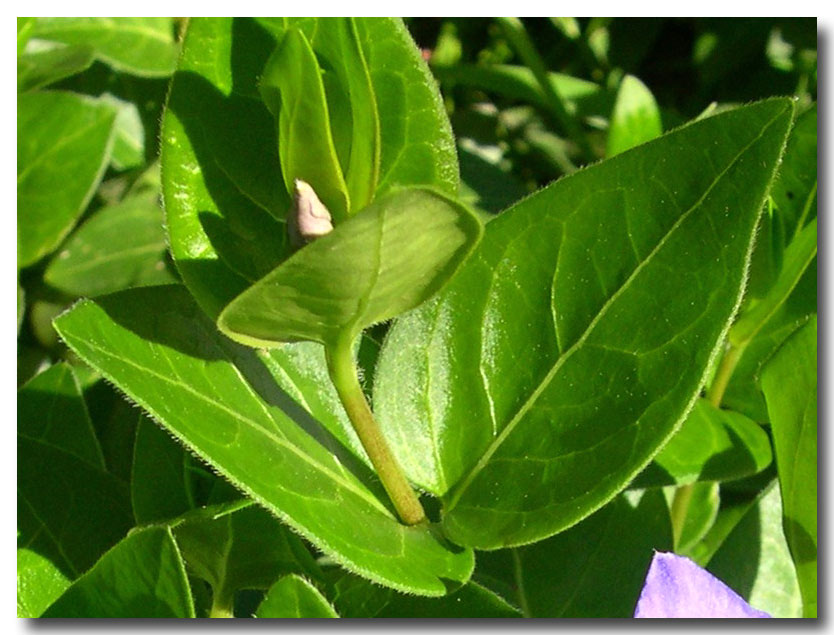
[[309, 218]]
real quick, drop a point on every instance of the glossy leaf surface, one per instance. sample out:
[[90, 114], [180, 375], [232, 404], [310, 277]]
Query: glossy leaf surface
[[142, 576], [120, 246], [589, 346], [789, 381], [141, 46], [386, 260], [711, 445], [64, 142], [224, 196], [172, 361], [294, 597]]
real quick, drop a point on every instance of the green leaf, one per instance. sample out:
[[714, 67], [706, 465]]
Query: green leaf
[[64, 143], [41, 68], [172, 362], [51, 411], [39, 582], [69, 509], [239, 549], [518, 82], [129, 144], [140, 46], [118, 247], [796, 188], [293, 596], [789, 381], [389, 258], [561, 357], [142, 576], [354, 119], [635, 119], [595, 569], [700, 515], [800, 253], [24, 32], [754, 560], [744, 390], [356, 598], [711, 445], [293, 91], [224, 196], [159, 483]]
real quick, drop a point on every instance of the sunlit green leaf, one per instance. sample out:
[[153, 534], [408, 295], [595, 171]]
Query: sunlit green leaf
[[142, 576], [561, 358], [293, 596], [63, 147], [141, 46], [386, 260], [789, 381], [636, 117], [173, 362]]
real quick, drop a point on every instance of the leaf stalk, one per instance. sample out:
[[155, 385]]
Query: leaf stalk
[[342, 369]]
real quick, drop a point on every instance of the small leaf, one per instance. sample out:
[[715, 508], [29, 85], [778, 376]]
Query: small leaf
[[292, 89], [51, 411], [711, 445], [789, 381], [636, 117], [239, 549], [64, 143], [293, 596], [142, 576], [172, 362], [386, 260], [118, 247], [700, 515], [141, 46], [39, 581], [754, 559], [41, 68]]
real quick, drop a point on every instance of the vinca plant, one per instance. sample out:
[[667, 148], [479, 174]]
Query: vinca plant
[[429, 318]]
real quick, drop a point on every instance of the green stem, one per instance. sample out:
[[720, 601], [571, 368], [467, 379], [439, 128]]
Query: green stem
[[683, 494], [518, 574], [221, 606], [343, 373]]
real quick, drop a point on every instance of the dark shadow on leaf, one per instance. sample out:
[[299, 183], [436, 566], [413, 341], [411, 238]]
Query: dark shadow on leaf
[[233, 139]]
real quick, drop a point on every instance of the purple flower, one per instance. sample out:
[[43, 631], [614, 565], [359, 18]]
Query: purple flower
[[677, 587]]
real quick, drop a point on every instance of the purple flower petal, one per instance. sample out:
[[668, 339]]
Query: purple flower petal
[[677, 587]]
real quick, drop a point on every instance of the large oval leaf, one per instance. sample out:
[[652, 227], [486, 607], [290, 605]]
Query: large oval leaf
[[225, 199], [391, 257], [574, 341], [64, 143], [219, 400]]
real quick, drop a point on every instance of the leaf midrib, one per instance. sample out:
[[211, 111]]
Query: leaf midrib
[[545, 382]]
